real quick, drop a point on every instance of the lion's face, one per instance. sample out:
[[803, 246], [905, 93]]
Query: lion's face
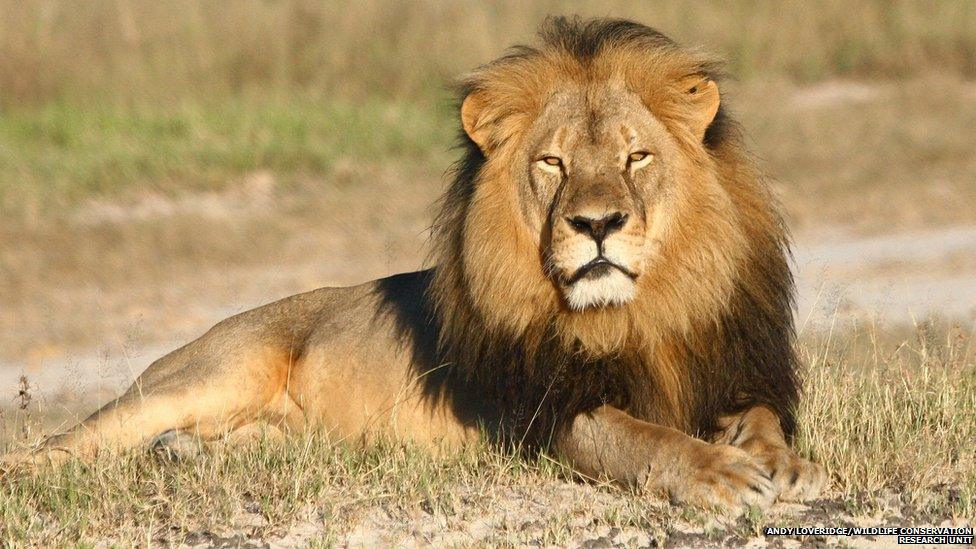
[[590, 178], [596, 171]]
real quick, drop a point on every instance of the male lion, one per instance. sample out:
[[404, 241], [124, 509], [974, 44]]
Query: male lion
[[611, 283]]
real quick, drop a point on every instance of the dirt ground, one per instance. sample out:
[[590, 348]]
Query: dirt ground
[[564, 515]]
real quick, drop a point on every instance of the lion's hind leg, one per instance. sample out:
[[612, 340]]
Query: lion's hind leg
[[207, 388], [120, 424]]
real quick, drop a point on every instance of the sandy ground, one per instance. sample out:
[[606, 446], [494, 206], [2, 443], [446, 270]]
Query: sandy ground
[[893, 277], [562, 515]]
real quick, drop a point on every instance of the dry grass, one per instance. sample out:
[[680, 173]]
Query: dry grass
[[142, 497], [139, 49], [266, 487], [875, 157], [892, 420], [885, 415]]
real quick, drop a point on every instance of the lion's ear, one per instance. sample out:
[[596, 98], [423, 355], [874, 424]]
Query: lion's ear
[[473, 119], [703, 97]]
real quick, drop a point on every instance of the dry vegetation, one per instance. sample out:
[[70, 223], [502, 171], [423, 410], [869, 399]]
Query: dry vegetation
[[165, 164], [150, 51], [891, 419]]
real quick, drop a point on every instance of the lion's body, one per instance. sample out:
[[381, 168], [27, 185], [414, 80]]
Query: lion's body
[[330, 358], [680, 327]]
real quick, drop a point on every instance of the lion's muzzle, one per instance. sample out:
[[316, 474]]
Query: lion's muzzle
[[595, 251]]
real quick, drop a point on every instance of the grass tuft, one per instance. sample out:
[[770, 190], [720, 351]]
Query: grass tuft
[[895, 419]]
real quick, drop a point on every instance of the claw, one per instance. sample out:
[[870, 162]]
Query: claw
[[728, 478]]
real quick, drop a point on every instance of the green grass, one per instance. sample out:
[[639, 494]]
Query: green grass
[[60, 153]]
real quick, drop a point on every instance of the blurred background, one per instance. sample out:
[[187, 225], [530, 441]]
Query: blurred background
[[166, 164]]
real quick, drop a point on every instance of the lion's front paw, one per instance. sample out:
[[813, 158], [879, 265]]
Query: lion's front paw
[[796, 479], [723, 476]]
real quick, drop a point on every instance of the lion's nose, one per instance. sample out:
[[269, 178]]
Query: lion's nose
[[598, 229]]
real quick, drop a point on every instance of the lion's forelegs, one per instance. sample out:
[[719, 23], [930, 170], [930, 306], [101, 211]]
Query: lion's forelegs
[[758, 432], [609, 443]]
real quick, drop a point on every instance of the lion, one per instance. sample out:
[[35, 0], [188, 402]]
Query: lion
[[610, 283]]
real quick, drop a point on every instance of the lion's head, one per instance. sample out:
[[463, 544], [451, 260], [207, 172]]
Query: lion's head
[[605, 212], [595, 174], [597, 191]]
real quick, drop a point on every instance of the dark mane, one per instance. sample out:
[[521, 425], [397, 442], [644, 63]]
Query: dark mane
[[584, 40], [525, 386]]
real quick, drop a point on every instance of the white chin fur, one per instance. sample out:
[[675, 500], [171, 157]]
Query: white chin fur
[[614, 289]]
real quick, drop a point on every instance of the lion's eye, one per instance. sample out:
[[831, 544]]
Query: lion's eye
[[549, 163], [638, 159]]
